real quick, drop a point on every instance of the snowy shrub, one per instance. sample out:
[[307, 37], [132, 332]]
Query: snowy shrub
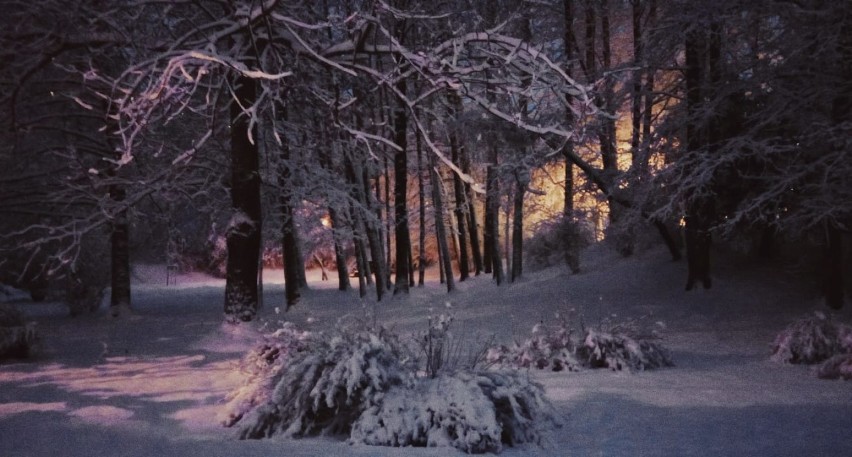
[[325, 388], [550, 348], [812, 340], [555, 348], [363, 382], [263, 367], [632, 344], [18, 338], [618, 350], [472, 412], [523, 412], [837, 367], [438, 412]]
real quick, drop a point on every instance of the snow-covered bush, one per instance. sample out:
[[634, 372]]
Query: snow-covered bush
[[618, 350], [609, 346], [363, 382], [442, 411], [263, 367], [837, 367], [18, 338], [633, 344], [549, 348], [472, 412], [325, 388], [522, 410], [812, 339]]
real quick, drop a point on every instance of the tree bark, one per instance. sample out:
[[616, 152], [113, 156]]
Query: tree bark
[[440, 228], [699, 208], [521, 182], [636, 92], [243, 236], [467, 205], [833, 267], [458, 187], [361, 189], [492, 218], [388, 226], [360, 253], [421, 192], [339, 256], [571, 254], [400, 198], [647, 93], [360, 227], [379, 265]]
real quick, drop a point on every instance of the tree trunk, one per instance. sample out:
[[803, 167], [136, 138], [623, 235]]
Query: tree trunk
[[379, 265], [648, 95], [442, 278], [699, 208], [289, 238], [360, 254], [388, 227], [440, 228], [243, 235], [361, 189], [458, 187], [572, 258], [120, 256], [507, 234], [466, 203], [400, 197], [421, 191], [487, 235], [636, 93], [521, 182], [360, 227], [339, 256], [834, 289], [472, 223], [492, 218]]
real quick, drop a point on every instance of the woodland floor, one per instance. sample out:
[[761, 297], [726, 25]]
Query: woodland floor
[[152, 384]]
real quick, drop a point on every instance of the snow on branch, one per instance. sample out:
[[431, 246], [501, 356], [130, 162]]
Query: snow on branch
[[230, 63]]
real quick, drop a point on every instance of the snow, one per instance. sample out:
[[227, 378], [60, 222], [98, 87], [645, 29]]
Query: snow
[[155, 382]]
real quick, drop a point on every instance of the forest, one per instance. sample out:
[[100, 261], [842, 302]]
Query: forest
[[379, 138], [428, 152]]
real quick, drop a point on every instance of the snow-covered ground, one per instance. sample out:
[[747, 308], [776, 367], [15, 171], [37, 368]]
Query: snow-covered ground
[[152, 384]]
